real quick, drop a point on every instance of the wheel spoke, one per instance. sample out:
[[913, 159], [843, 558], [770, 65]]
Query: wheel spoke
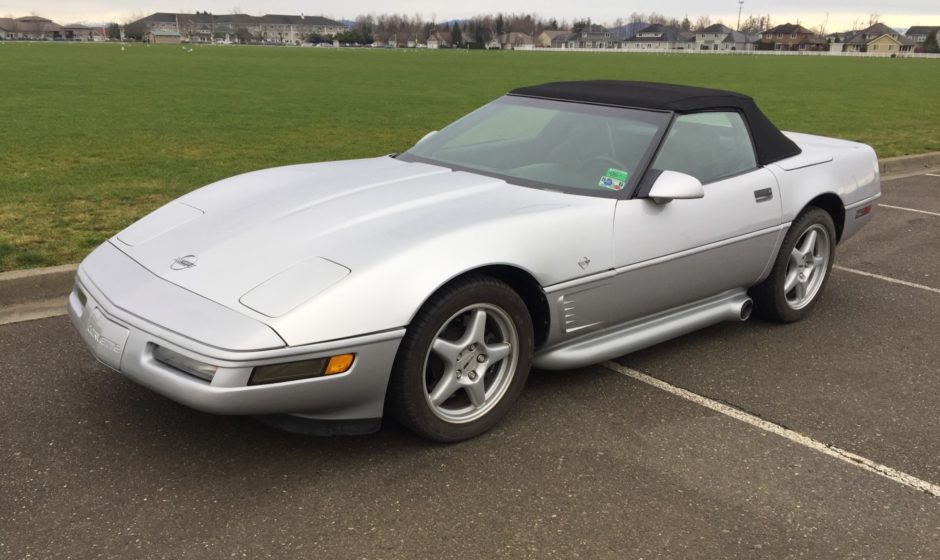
[[445, 388], [497, 352], [809, 243], [819, 262], [447, 350], [791, 280], [796, 257], [475, 328], [800, 291], [477, 393]]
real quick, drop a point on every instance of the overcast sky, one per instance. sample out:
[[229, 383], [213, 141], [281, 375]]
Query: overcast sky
[[896, 13]]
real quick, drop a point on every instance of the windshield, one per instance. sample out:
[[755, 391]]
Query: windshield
[[542, 143]]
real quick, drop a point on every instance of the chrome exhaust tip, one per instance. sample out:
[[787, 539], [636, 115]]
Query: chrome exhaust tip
[[746, 308]]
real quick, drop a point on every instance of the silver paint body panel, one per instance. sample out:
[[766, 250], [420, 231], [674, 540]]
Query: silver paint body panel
[[636, 335], [852, 175], [111, 325], [379, 236], [399, 228]]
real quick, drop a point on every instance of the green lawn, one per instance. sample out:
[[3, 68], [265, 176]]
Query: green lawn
[[94, 137]]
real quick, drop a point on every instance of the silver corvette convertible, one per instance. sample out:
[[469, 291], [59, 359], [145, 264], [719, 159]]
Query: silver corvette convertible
[[558, 226]]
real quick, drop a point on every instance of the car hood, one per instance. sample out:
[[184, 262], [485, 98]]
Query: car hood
[[269, 240]]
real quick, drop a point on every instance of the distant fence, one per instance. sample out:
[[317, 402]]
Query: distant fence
[[749, 53]]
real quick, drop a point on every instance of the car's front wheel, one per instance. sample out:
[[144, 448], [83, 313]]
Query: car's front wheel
[[801, 270], [463, 361]]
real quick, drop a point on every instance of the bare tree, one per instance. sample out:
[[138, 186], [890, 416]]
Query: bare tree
[[752, 24], [821, 29], [637, 19], [702, 22], [873, 19], [134, 28]]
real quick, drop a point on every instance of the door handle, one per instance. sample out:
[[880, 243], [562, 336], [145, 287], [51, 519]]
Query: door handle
[[763, 195]]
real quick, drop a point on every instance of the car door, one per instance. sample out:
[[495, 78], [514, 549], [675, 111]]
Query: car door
[[681, 251]]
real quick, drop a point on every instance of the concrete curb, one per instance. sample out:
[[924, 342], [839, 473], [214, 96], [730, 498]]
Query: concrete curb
[[19, 287], [35, 284], [909, 164]]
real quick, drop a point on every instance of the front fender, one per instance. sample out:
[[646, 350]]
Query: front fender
[[547, 243]]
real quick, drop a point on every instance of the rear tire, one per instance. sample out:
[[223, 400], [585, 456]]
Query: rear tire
[[801, 270], [463, 361]]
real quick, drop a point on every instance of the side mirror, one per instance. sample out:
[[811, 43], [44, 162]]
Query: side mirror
[[672, 185], [426, 136]]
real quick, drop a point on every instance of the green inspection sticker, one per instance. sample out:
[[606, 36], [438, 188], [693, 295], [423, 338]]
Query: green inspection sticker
[[614, 179]]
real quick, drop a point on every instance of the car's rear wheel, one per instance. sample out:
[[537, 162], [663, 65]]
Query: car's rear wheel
[[463, 361], [801, 270]]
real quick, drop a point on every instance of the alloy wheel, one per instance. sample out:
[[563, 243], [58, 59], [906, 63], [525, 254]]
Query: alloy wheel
[[470, 363]]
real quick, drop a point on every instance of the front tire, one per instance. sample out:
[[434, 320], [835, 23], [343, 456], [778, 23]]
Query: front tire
[[801, 270], [463, 361]]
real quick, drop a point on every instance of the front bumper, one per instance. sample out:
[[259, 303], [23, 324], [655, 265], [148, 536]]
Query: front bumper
[[120, 336]]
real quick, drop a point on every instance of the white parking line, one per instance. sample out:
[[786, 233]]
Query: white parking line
[[931, 175], [887, 279], [776, 429], [908, 209]]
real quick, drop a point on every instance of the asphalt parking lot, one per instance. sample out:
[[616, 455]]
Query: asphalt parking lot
[[592, 463]]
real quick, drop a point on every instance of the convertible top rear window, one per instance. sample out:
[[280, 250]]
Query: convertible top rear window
[[574, 147]]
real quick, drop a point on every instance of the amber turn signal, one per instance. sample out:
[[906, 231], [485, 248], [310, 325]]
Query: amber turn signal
[[339, 364]]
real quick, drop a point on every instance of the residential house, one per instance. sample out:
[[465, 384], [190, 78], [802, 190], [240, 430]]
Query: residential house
[[660, 37], [685, 40], [35, 28], [77, 32], [565, 40], [7, 29], [439, 40], [401, 39], [595, 37], [546, 37], [720, 37], [739, 41], [269, 28], [164, 38], [160, 21], [878, 38], [31, 28], [791, 37], [919, 34], [295, 29], [235, 28], [711, 37], [199, 28], [516, 41]]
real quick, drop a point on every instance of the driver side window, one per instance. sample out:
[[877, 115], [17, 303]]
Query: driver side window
[[708, 146]]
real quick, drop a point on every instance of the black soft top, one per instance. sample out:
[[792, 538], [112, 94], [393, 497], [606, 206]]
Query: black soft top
[[771, 145]]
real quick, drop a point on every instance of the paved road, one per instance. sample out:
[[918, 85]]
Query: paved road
[[591, 464]]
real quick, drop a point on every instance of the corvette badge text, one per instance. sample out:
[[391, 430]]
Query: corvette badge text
[[94, 329]]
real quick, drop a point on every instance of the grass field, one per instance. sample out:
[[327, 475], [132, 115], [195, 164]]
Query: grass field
[[94, 137]]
